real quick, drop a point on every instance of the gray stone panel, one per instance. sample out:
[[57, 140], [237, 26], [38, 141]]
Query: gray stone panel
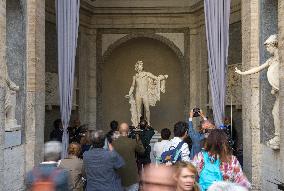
[[268, 26], [14, 170], [13, 138]]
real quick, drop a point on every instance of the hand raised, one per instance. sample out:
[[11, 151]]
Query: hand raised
[[238, 71], [191, 113]]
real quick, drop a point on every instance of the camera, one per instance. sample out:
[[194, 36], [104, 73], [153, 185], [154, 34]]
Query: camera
[[133, 132], [196, 112]]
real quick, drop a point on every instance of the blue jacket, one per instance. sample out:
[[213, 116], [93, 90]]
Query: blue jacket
[[196, 139], [100, 167], [61, 179]]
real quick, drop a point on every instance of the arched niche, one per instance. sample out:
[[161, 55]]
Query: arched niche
[[115, 72]]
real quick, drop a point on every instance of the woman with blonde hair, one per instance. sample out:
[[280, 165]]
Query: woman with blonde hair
[[75, 167], [185, 177]]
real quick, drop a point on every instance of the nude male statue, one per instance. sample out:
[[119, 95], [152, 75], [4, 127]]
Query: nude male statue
[[10, 102], [272, 64], [143, 81]]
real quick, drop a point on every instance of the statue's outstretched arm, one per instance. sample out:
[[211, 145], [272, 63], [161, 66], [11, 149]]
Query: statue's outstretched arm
[[253, 70], [156, 77]]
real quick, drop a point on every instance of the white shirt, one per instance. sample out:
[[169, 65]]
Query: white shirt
[[184, 149], [159, 148]]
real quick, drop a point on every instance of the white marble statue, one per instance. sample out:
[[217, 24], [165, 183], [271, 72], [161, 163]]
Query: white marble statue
[[147, 92], [272, 64], [10, 102]]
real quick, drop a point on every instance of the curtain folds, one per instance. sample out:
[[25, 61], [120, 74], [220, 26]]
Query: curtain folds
[[67, 22], [217, 15]]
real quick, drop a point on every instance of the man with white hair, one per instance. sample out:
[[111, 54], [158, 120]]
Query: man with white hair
[[47, 176], [101, 165], [226, 186]]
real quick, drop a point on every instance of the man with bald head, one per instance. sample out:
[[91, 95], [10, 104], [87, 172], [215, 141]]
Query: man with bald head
[[126, 147]]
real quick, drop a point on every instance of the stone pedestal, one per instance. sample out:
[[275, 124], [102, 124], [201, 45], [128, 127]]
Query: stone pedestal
[[13, 138], [11, 125]]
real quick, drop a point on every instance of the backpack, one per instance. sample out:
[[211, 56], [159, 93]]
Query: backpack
[[210, 173], [46, 183], [172, 155]]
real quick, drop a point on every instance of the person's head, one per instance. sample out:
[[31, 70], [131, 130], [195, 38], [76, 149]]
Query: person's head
[[180, 129], [143, 123], [157, 178], [98, 138], [57, 124], [226, 186], [185, 176], [271, 44], [114, 125], [123, 129], [87, 139], [76, 122], [217, 144], [74, 149], [139, 66], [52, 151], [206, 127], [165, 134]]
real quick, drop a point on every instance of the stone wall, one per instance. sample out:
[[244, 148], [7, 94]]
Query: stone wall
[[2, 88], [262, 164], [14, 168], [281, 94], [35, 75], [250, 96]]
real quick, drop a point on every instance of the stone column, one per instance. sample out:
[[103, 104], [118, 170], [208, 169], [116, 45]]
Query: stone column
[[281, 92], [35, 103], [250, 88], [87, 77], [2, 87], [194, 69]]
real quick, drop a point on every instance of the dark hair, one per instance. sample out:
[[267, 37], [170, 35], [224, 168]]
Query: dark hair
[[98, 139], [217, 144], [56, 123], [180, 129], [143, 123], [165, 134], [114, 125]]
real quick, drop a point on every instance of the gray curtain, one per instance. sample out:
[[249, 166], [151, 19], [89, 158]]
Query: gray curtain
[[67, 21], [217, 15]]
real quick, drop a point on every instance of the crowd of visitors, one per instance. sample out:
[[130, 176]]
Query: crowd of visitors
[[119, 160]]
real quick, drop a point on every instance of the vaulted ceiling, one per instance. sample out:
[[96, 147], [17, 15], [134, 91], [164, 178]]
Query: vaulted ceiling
[[96, 6]]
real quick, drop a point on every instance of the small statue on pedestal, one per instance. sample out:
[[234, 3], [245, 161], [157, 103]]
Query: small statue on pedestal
[[10, 103]]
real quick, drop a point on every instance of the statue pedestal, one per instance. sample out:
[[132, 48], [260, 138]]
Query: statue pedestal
[[11, 125], [13, 138]]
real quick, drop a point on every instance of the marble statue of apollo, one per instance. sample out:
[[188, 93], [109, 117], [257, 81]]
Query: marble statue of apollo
[[272, 64], [147, 92]]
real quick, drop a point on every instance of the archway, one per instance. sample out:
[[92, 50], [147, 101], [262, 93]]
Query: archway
[[116, 78]]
